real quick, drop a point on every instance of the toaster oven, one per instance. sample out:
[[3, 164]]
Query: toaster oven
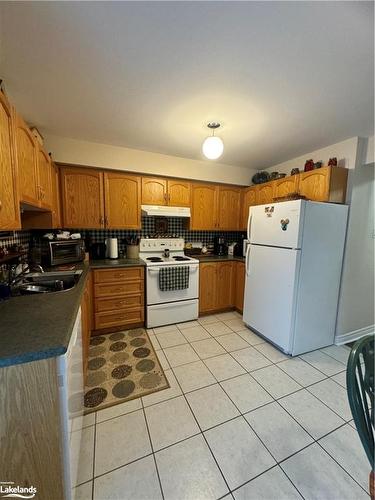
[[55, 253]]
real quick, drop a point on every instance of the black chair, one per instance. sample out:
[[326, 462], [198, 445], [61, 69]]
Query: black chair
[[360, 388]]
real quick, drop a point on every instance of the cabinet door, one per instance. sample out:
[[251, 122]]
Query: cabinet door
[[204, 207], [229, 208], [86, 315], [27, 169], [286, 186], [56, 211], [9, 206], [239, 285], [122, 201], [207, 287], [224, 296], [45, 179], [249, 200], [179, 193], [315, 184], [264, 193], [82, 198], [154, 191]]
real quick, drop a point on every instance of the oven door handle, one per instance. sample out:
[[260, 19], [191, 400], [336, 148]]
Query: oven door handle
[[156, 270]]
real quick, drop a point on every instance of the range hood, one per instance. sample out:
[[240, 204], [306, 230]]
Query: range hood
[[162, 211]]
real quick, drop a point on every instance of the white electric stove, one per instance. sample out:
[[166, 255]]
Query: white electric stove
[[173, 306]]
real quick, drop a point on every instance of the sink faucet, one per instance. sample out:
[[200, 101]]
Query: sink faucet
[[15, 278]]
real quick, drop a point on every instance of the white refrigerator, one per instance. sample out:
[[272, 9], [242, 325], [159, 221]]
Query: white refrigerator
[[293, 271]]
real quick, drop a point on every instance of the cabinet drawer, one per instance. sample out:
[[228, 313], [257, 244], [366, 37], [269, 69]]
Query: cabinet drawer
[[117, 289], [131, 302], [118, 318], [114, 275]]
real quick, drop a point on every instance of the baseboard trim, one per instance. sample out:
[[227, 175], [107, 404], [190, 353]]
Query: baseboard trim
[[354, 335]]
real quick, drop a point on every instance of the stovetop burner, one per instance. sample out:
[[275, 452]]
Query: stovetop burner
[[179, 257], [155, 259]]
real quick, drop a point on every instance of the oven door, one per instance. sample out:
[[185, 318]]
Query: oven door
[[155, 296]]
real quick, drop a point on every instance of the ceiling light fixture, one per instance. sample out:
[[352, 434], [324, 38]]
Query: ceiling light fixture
[[213, 146]]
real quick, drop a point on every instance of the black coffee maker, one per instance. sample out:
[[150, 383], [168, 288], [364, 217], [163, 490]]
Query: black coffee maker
[[220, 247]]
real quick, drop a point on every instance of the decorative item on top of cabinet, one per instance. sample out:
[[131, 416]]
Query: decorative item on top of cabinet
[[204, 207], [82, 198], [9, 205], [229, 207], [122, 200], [265, 193], [324, 184], [172, 192], [27, 167]]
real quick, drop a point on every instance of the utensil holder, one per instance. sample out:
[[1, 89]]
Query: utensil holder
[[132, 251]]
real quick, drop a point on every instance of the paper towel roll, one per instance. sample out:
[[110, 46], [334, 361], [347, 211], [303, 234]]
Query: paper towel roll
[[112, 248]]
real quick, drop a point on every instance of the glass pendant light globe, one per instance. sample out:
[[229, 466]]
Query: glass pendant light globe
[[212, 147]]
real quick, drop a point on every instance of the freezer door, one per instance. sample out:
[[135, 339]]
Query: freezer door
[[277, 224], [271, 278]]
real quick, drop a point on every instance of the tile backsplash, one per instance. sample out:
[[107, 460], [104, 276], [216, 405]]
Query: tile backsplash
[[175, 226]]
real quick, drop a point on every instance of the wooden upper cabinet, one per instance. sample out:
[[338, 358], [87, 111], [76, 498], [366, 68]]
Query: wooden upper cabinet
[[27, 168], [56, 208], [315, 184], [122, 200], [82, 198], [154, 191], [229, 208], [264, 193], [324, 184], [249, 200], [207, 286], [45, 190], [204, 207], [9, 206], [179, 193], [285, 186]]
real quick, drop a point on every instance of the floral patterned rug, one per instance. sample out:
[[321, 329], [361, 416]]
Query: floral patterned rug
[[121, 366]]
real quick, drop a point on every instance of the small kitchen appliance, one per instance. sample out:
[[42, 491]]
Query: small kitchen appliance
[[173, 305], [56, 253], [220, 247], [98, 251]]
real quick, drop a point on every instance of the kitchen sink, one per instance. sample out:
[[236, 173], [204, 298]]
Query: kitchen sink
[[55, 281]]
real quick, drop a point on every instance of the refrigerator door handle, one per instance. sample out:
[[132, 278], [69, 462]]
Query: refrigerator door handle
[[249, 225], [247, 267]]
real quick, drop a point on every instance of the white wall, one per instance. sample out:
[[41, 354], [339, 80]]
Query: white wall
[[77, 152], [345, 152], [356, 306]]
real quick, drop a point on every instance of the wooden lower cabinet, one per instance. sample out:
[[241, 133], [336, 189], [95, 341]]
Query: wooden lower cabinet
[[215, 286], [118, 298], [239, 285], [86, 321], [221, 286]]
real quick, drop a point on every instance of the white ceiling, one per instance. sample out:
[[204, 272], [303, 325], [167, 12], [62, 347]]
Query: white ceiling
[[284, 78]]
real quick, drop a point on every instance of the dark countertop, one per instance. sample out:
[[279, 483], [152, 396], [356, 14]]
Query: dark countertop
[[34, 327], [108, 263], [218, 258]]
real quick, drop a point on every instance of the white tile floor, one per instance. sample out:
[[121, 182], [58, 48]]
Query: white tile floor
[[240, 421]]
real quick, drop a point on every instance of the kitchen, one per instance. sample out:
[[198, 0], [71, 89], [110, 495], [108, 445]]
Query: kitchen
[[178, 295]]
